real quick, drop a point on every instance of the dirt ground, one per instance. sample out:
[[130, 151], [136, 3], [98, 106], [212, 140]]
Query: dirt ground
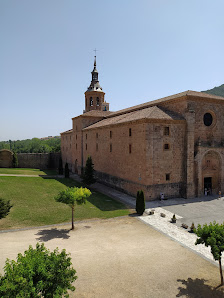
[[122, 257]]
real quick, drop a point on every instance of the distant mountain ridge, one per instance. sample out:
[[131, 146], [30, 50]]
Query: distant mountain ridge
[[219, 91]]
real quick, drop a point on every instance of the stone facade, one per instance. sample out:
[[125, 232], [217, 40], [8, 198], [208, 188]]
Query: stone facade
[[173, 145]]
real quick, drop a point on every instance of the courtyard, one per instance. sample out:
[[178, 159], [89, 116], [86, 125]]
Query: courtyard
[[122, 257]]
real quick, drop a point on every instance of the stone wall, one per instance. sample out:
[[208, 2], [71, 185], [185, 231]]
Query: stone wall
[[38, 160], [6, 157]]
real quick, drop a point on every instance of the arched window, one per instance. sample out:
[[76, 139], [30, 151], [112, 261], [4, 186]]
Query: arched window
[[97, 101], [91, 101]]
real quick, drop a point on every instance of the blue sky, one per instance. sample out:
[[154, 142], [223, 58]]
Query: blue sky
[[146, 50]]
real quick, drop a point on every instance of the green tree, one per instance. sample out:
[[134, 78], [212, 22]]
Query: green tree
[[140, 202], [5, 207], [38, 273], [14, 160], [88, 175], [66, 170], [73, 196], [212, 235]]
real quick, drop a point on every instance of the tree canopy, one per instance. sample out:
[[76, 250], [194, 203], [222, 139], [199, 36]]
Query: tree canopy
[[34, 145], [72, 196], [212, 235], [38, 273]]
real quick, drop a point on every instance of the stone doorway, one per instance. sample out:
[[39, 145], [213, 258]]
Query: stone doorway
[[211, 172], [208, 185]]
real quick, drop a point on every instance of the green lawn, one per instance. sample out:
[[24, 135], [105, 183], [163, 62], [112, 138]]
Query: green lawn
[[34, 204], [18, 171]]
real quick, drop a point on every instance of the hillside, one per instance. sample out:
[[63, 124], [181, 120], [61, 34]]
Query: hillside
[[219, 91]]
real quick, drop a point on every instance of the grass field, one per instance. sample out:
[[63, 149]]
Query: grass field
[[34, 204], [18, 171]]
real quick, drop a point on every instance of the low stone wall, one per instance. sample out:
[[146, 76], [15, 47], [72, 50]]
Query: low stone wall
[[38, 160]]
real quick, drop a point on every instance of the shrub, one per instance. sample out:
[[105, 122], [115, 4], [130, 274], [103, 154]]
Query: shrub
[[140, 202], [5, 207], [38, 273]]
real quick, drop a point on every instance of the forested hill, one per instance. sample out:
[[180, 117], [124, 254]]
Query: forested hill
[[219, 91], [34, 145]]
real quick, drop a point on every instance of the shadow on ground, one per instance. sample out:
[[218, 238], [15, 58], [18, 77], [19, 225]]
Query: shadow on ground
[[46, 235], [196, 288]]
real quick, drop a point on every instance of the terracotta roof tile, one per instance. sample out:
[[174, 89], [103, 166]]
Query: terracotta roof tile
[[67, 131], [147, 113], [95, 113], [165, 99]]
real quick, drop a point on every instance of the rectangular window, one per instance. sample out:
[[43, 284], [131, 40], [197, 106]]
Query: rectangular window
[[110, 147], [86, 136], [86, 146], [166, 131], [76, 137], [76, 146], [97, 135], [129, 132], [166, 146], [130, 148], [110, 134], [167, 177], [96, 146]]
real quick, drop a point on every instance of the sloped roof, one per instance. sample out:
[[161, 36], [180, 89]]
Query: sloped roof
[[147, 113], [67, 131], [167, 98], [95, 113]]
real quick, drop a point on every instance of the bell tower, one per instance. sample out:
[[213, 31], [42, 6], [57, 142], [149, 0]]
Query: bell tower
[[94, 95]]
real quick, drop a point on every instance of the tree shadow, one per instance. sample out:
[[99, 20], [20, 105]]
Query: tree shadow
[[196, 288], [54, 233]]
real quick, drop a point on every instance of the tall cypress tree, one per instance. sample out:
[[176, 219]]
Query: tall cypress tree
[[88, 176], [140, 202]]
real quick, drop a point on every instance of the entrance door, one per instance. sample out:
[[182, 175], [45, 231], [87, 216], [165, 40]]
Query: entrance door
[[208, 184]]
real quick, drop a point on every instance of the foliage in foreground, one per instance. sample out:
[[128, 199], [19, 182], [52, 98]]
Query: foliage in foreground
[[38, 273], [140, 202], [212, 235], [5, 207], [72, 196], [88, 175]]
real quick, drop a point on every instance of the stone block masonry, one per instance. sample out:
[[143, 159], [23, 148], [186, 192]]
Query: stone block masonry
[[38, 160]]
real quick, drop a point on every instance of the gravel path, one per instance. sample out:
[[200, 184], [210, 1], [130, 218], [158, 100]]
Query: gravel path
[[179, 234]]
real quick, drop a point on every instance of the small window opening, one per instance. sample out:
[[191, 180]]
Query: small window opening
[[129, 132], [166, 131], [129, 148], [76, 146], [97, 101], [167, 177], [86, 146], [76, 137], [91, 101], [86, 136], [166, 146], [111, 134], [97, 135]]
